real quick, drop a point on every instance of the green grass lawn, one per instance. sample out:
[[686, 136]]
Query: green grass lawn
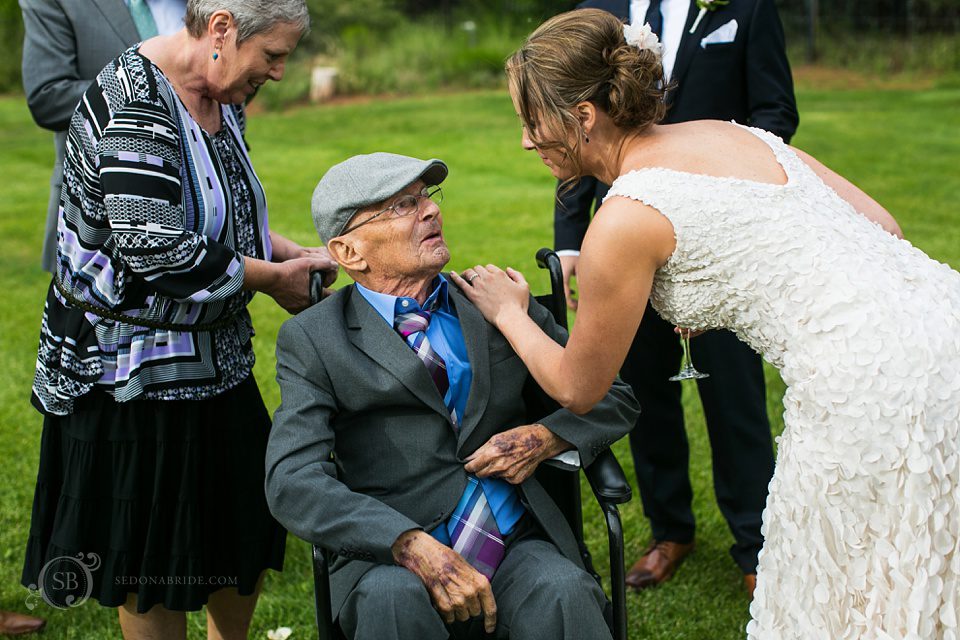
[[900, 146]]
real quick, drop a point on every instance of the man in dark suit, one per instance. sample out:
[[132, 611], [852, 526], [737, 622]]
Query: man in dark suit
[[66, 44], [429, 499], [724, 63]]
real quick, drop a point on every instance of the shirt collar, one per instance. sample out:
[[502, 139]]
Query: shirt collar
[[389, 306]]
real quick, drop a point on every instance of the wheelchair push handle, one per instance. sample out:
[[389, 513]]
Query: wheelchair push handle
[[549, 260], [316, 286]]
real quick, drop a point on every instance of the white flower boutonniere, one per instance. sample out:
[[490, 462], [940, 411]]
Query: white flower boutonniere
[[706, 5], [642, 37]]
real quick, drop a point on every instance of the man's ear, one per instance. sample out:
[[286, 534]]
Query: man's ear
[[586, 113], [346, 252]]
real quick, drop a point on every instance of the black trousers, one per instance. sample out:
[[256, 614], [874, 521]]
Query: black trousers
[[734, 404]]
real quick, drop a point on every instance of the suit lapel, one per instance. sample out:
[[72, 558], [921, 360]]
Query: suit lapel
[[370, 333], [476, 336], [689, 43], [117, 15]]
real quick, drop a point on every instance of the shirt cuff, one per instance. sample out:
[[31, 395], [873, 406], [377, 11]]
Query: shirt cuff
[[568, 460], [568, 252]]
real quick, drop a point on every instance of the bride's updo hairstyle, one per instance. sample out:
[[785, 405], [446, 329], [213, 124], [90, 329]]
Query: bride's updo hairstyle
[[582, 56]]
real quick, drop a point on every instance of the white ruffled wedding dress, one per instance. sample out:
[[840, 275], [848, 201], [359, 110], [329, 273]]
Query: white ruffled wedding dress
[[862, 524]]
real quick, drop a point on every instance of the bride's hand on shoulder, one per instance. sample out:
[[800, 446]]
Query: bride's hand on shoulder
[[498, 294]]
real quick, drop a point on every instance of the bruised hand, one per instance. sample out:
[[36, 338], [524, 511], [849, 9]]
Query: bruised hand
[[515, 454], [458, 591]]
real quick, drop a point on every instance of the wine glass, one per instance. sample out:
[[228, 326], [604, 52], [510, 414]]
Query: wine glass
[[687, 370]]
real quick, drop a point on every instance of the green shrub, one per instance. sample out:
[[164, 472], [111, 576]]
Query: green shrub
[[11, 35], [881, 54], [330, 19], [293, 89], [424, 55]]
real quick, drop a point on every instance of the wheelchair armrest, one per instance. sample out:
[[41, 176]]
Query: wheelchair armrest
[[326, 628], [607, 479]]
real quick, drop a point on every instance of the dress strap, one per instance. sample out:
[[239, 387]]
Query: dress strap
[[789, 161]]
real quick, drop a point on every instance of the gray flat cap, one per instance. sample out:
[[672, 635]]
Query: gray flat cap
[[364, 180]]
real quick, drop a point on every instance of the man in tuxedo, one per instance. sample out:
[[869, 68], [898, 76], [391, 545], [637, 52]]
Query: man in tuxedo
[[402, 442], [727, 64], [66, 44]]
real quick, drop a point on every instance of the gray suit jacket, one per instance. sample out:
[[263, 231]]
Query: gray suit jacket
[[351, 387], [66, 44]]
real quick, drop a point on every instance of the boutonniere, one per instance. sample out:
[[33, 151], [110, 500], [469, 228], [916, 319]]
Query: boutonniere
[[704, 6]]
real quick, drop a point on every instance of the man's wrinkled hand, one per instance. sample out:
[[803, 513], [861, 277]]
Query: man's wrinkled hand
[[515, 454], [458, 591]]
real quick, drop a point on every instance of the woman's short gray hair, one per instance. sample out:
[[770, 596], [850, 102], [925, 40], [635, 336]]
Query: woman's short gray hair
[[252, 16]]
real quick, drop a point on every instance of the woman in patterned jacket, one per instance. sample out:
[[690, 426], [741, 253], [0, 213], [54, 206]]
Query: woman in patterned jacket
[[151, 463]]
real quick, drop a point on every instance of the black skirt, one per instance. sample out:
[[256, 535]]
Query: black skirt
[[167, 494]]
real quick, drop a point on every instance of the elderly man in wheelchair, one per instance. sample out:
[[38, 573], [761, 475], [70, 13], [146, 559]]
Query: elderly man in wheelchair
[[403, 443]]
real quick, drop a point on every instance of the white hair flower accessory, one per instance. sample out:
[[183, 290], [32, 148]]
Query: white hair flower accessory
[[642, 37]]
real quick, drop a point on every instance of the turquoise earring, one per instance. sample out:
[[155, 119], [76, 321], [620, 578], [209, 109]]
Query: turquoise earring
[[215, 55]]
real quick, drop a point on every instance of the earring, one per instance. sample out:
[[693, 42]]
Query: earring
[[215, 55], [586, 139]]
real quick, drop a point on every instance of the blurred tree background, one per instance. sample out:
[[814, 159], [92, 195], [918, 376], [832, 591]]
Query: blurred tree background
[[416, 46], [11, 44]]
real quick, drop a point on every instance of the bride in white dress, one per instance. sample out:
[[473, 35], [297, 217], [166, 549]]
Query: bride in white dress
[[726, 226]]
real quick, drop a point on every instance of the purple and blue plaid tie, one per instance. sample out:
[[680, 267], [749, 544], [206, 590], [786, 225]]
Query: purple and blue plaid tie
[[472, 527]]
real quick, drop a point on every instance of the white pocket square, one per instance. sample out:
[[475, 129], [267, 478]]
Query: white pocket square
[[722, 35]]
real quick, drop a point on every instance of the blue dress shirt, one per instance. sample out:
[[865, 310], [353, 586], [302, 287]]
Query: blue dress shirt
[[446, 338]]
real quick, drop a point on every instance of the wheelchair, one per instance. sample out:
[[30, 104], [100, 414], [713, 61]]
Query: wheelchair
[[605, 476]]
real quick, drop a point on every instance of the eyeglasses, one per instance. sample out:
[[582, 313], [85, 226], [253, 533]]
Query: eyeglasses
[[405, 205]]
